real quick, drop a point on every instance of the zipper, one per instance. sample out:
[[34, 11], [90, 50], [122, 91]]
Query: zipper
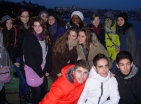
[[101, 93]]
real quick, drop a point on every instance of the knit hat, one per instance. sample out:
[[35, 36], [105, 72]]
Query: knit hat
[[41, 12], [78, 13], [124, 16], [108, 15], [6, 17]]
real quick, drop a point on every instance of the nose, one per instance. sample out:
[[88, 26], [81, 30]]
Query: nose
[[125, 67]]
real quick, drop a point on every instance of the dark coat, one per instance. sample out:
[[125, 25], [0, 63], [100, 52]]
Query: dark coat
[[32, 51], [130, 87], [58, 62]]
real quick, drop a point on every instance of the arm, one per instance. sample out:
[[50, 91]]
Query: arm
[[114, 94], [54, 95]]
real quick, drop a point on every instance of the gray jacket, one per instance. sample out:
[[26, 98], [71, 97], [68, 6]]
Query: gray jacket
[[133, 46]]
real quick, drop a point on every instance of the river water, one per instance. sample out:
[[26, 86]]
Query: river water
[[136, 24]]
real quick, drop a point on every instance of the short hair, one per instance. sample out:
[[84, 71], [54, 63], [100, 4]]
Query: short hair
[[123, 55], [98, 57], [82, 63]]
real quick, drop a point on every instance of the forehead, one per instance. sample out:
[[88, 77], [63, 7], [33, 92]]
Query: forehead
[[124, 61], [24, 13], [102, 62], [82, 33], [81, 69], [75, 16]]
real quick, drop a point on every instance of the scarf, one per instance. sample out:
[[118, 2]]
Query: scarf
[[72, 44], [53, 28], [96, 29], [40, 37]]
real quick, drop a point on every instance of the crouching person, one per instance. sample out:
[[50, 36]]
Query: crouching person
[[128, 78], [68, 88], [100, 88]]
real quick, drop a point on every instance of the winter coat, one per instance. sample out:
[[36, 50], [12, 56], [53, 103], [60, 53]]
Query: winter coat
[[58, 62], [65, 90], [95, 48], [98, 89], [33, 55], [130, 86], [4, 57], [133, 46]]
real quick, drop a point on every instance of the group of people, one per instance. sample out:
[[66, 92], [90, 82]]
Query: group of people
[[66, 52]]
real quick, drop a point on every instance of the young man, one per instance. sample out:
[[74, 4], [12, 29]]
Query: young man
[[128, 78], [67, 88], [100, 88]]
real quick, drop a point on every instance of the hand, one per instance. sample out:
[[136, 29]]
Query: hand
[[79, 58], [1, 68], [47, 74], [118, 49], [59, 74], [42, 77], [17, 64]]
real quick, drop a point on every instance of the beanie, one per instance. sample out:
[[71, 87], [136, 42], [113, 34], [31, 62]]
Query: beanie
[[41, 12], [78, 13], [6, 17], [108, 15], [124, 16]]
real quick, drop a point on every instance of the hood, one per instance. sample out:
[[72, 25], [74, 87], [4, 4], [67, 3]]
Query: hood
[[95, 75], [67, 72], [133, 72]]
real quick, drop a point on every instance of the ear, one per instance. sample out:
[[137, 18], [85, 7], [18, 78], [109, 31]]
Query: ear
[[117, 65], [94, 67], [132, 64], [91, 21]]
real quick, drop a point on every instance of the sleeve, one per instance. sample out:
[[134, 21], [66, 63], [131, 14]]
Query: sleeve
[[29, 55], [48, 66], [132, 38], [54, 95], [84, 94], [61, 31], [114, 93]]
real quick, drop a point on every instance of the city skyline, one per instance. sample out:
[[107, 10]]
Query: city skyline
[[91, 4]]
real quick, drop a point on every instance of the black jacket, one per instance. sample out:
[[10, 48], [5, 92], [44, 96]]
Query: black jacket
[[32, 52], [130, 86]]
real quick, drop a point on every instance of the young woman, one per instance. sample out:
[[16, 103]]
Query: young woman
[[128, 40], [44, 15], [96, 27], [37, 51], [56, 27], [89, 46], [4, 61], [22, 24], [64, 51], [77, 19]]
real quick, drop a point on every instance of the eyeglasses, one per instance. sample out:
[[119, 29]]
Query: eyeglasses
[[24, 16]]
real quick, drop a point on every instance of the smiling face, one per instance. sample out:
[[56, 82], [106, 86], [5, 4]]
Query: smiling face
[[102, 67], [120, 21], [51, 20], [76, 19], [9, 24], [44, 16], [72, 36], [96, 21], [81, 37], [24, 17], [125, 66], [80, 74], [37, 27]]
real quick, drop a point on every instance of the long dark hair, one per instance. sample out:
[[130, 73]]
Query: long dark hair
[[43, 25]]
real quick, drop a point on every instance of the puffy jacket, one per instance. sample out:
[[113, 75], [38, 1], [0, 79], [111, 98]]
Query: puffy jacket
[[98, 89], [65, 90]]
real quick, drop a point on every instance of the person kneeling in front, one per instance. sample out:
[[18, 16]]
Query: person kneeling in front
[[68, 87], [100, 88]]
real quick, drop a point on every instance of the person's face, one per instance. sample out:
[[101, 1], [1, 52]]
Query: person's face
[[108, 22], [37, 28], [72, 36], [124, 66], [120, 21], [75, 19], [51, 20], [24, 17], [44, 16], [96, 21], [102, 67], [81, 37], [80, 74], [9, 24]]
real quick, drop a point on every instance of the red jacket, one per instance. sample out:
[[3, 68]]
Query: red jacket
[[65, 90]]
